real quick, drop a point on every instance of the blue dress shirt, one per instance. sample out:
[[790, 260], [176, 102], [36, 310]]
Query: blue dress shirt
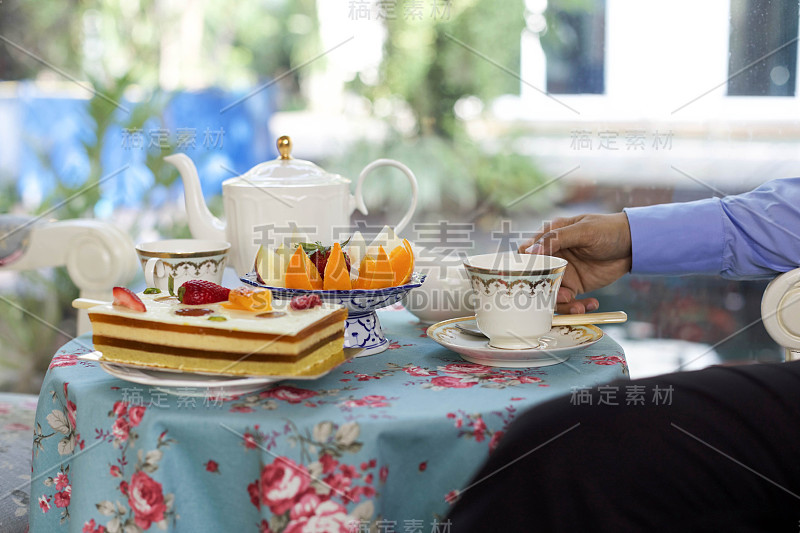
[[747, 236]]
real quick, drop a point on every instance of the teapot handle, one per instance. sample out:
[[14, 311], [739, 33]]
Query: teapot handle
[[411, 179]]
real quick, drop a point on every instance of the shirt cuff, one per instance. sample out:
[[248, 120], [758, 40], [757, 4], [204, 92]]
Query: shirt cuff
[[683, 238]]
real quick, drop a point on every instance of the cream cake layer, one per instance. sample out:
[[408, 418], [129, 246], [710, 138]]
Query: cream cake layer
[[213, 339], [161, 310]]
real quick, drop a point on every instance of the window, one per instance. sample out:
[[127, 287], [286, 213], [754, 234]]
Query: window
[[763, 48], [574, 44]]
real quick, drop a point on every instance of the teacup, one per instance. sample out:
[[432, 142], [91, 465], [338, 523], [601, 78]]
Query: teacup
[[516, 296], [181, 260]]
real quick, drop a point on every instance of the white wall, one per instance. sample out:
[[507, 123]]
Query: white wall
[[660, 55]]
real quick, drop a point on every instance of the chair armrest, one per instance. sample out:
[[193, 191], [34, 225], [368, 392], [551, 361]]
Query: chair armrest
[[98, 256], [780, 311]]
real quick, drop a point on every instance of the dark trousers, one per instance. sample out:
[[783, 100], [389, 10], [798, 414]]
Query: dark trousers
[[722, 456]]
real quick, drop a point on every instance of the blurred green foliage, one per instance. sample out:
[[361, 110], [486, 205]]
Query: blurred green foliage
[[24, 23], [433, 62], [470, 52], [260, 40], [112, 41], [29, 328], [456, 177]]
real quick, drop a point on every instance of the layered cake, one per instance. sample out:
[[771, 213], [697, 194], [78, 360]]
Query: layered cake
[[219, 338]]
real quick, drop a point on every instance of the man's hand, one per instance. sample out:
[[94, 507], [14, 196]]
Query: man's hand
[[598, 249]]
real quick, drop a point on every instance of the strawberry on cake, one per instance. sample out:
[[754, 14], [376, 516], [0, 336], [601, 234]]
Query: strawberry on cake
[[207, 328]]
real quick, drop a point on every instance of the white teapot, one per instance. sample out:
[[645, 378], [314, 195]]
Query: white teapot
[[446, 292], [287, 196]]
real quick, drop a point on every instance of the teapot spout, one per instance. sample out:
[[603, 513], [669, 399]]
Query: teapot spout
[[202, 223]]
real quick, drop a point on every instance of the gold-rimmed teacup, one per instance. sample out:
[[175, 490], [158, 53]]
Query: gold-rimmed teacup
[[516, 296], [181, 260]]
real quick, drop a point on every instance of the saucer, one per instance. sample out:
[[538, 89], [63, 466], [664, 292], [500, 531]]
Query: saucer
[[196, 384], [553, 348]]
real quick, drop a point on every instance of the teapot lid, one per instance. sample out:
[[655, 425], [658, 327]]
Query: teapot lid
[[285, 170]]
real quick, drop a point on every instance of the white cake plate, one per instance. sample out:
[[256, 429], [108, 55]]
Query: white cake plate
[[196, 384]]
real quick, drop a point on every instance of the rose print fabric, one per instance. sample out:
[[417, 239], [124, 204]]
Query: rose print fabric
[[381, 443]]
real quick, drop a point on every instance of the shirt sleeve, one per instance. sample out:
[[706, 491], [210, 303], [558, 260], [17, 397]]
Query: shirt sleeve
[[747, 236]]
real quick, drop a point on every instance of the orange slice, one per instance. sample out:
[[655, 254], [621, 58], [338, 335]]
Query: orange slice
[[364, 273], [249, 299], [375, 273], [336, 277], [402, 261], [301, 272], [384, 276]]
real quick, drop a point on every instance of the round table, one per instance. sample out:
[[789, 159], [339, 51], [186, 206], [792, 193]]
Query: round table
[[385, 441]]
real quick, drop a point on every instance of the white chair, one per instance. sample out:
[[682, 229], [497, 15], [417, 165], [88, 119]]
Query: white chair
[[780, 311], [97, 255]]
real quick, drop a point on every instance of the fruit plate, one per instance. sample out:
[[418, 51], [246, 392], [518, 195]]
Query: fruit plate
[[363, 329], [194, 384]]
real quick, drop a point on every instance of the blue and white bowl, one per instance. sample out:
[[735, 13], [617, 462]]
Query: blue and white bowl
[[362, 329]]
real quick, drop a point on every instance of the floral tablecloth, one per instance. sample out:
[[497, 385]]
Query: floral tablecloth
[[383, 442]]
